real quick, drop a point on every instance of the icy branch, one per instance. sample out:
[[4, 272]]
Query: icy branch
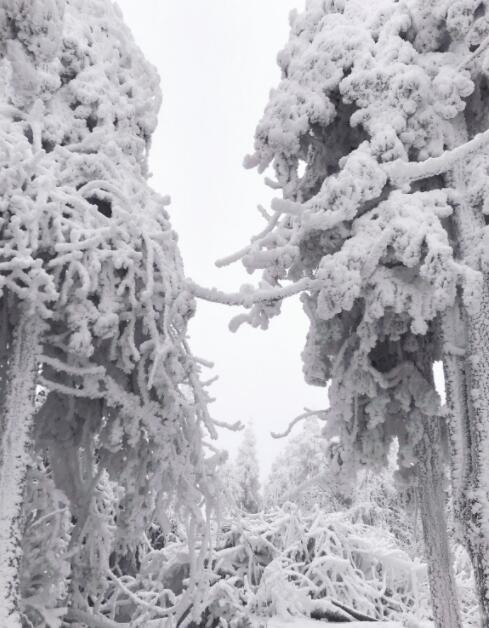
[[59, 365], [401, 172], [161, 612], [234, 257], [279, 207], [251, 297], [237, 426], [301, 417]]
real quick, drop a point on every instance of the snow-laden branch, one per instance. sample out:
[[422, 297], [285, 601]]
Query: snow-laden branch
[[251, 297], [293, 423], [237, 426], [401, 172], [234, 257], [59, 365], [280, 207], [153, 608]]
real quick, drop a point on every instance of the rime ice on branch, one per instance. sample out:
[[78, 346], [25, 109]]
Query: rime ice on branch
[[87, 250]]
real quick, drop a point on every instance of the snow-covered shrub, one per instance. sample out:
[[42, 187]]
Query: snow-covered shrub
[[315, 564]]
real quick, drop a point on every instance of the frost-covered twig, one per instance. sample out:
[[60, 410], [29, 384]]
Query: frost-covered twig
[[247, 298], [234, 257], [237, 426], [301, 417], [153, 608]]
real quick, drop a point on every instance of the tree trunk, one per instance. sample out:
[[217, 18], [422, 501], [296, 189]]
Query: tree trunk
[[432, 507], [475, 496], [456, 391], [470, 381], [19, 370]]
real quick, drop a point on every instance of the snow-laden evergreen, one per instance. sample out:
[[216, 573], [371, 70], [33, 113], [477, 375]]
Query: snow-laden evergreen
[[94, 310], [247, 474], [307, 472]]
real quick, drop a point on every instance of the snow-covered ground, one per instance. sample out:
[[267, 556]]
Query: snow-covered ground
[[302, 622]]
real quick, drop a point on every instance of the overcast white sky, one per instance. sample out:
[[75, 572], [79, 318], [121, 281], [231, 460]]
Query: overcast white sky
[[217, 61]]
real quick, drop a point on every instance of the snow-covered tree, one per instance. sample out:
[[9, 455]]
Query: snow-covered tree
[[305, 473], [229, 489], [247, 473], [377, 135], [308, 473], [93, 315]]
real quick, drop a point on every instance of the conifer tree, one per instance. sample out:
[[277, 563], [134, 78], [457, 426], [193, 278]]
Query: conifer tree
[[305, 472], [247, 473]]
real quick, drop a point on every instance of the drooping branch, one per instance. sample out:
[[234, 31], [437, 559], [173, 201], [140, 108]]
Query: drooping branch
[[293, 423]]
